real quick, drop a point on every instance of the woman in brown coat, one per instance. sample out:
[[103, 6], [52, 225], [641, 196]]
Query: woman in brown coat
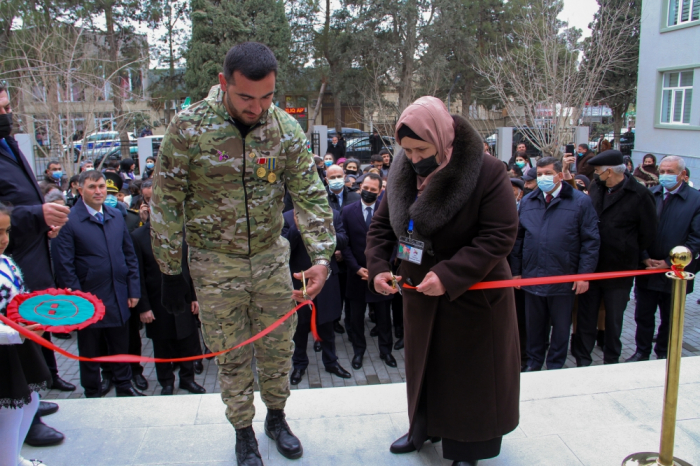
[[648, 173], [462, 350]]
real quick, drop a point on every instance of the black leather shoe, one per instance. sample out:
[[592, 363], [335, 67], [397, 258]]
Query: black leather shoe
[[140, 382], [62, 385], [356, 362], [106, 386], [61, 336], [531, 369], [374, 332], [337, 328], [636, 357], [465, 463], [41, 435], [167, 390], [198, 367], [399, 344], [46, 408], [192, 387], [131, 391], [317, 346], [247, 453], [296, 376], [388, 359], [405, 444], [339, 371], [277, 429]]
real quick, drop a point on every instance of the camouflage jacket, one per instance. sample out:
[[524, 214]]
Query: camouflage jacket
[[229, 192]]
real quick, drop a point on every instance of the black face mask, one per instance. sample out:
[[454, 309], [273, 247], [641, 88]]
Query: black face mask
[[368, 197], [351, 172], [425, 167], [580, 187], [5, 125], [527, 191]]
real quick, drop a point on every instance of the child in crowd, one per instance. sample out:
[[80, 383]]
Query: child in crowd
[[23, 371]]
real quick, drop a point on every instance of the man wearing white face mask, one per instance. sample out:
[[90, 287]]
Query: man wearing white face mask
[[557, 235], [338, 194], [678, 206]]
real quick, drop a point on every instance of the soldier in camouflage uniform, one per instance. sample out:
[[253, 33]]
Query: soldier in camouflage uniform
[[222, 171]]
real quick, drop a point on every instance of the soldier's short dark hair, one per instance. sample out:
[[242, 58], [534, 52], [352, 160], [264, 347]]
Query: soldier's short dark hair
[[92, 175], [546, 161], [252, 59]]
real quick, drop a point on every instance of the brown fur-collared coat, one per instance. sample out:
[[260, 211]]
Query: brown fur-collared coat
[[464, 345]]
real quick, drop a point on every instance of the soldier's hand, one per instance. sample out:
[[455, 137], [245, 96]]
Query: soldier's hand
[[316, 277], [55, 215]]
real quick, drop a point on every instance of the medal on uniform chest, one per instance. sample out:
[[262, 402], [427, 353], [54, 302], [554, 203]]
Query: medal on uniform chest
[[266, 164], [261, 172], [272, 178]]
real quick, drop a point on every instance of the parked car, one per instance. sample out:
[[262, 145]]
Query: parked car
[[349, 134], [99, 140], [359, 148]]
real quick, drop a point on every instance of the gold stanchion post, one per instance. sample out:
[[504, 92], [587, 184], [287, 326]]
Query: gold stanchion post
[[680, 257]]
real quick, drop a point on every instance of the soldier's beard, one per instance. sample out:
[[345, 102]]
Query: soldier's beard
[[246, 119]]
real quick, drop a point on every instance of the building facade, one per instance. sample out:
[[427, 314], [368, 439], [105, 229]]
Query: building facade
[[668, 87]]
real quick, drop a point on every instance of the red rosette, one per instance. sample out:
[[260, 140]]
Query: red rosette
[[97, 315]]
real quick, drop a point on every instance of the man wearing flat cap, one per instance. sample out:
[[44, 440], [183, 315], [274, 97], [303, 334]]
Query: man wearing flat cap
[[627, 225]]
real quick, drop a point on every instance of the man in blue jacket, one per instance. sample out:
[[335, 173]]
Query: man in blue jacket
[[94, 253], [678, 207], [557, 235]]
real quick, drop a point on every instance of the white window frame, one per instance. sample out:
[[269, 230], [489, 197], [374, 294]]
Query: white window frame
[[674, 91], [693, 7]]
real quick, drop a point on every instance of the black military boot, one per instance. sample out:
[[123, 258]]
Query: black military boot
[[247, 453], [277, 429]]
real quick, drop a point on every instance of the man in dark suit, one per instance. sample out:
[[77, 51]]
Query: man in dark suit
[[33, 223], [338, 196], [173, 335], [356, 218], [328, 302], [627, 225], [678, 206], [93, 252]]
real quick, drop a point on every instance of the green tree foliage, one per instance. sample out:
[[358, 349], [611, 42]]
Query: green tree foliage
[[219, 25]]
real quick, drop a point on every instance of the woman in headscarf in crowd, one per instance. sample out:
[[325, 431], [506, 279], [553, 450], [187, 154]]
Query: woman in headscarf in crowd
[[648, 172], [450, 207]]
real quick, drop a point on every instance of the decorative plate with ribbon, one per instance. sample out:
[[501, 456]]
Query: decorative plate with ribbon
[[57, 310]]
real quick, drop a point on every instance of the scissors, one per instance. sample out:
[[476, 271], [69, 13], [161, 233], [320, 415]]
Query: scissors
[[303, 287], [395, 283]]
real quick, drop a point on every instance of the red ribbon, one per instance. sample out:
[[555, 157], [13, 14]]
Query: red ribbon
[[561, 279], [131, 358]]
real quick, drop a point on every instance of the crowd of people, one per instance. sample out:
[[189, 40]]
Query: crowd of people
[[581, 214]]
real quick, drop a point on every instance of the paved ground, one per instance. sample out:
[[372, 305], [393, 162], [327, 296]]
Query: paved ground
[[374, 371], [592, 416]]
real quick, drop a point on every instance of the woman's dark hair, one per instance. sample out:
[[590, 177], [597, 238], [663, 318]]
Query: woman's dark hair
[[628, 160], [349, 161], [525, 156], [252, 59], [5, 209], [406, 132], [125, 165], [649, 156]]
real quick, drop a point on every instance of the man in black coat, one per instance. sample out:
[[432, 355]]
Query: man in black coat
[[33, 223], [356, 219], [94, 253], [173, 335], [678, 206], [328, 302], [627, 224]]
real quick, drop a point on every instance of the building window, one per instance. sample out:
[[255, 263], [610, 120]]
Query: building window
[[683, 11], [676, 97]]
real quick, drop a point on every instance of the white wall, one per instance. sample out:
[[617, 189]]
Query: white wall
[[660, 50]]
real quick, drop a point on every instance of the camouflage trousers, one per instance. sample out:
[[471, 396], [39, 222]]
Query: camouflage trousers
[[240, 296]]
